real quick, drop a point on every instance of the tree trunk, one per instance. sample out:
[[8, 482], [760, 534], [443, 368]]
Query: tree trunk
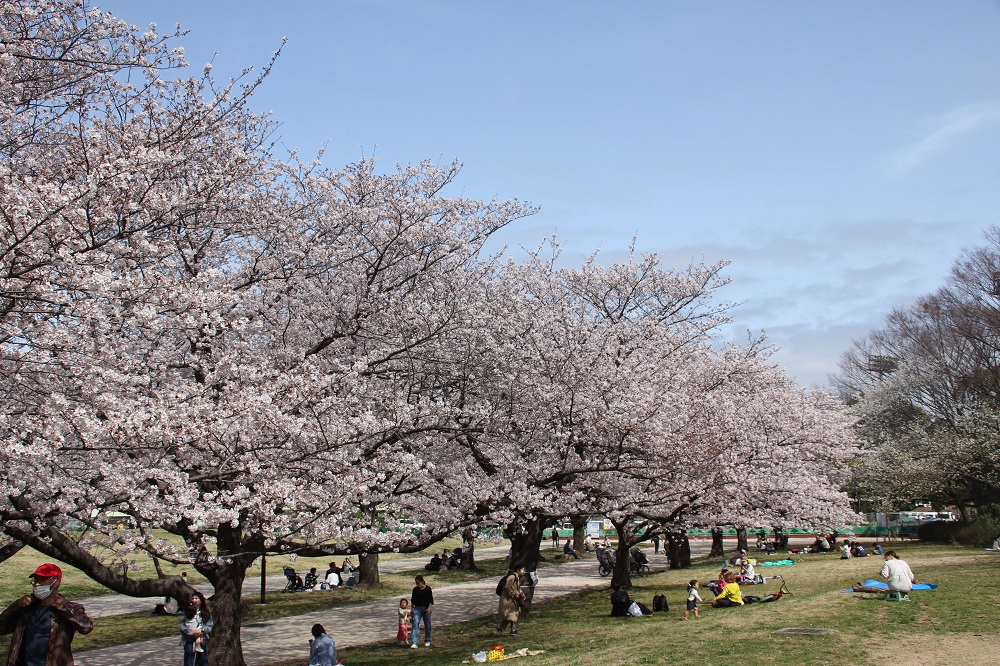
[[226, 607], [718, 548], [579, 532], [741, 538], [685, 551], [622, 575], [780, 540], [469, 549], [675, 552], [368, 568], [525, 540]]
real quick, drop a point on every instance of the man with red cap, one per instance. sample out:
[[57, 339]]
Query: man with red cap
[[43, 622]]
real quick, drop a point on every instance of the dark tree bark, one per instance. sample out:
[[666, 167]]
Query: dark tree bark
[[368, 568], [226, 574], [684, 550], [780, 540], [226, 648], [679, 550], [718, 547], [579, 532], [622, 575], [469, 549], [525, 541], [741, 538]]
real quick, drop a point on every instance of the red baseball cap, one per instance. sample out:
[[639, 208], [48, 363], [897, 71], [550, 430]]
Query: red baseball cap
[[47, 571]]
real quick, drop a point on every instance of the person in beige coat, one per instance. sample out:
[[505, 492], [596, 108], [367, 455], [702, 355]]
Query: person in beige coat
[[511, 600]]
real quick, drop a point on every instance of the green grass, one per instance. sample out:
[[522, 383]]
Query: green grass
[[947, 625]]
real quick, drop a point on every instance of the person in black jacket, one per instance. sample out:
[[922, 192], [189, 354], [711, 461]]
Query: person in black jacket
[[619, 601], [421, 601]]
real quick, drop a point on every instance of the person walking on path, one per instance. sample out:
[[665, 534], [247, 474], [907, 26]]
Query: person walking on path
[[422, 601], [898, 573], [44, 622], [322, 649], [511, 601]]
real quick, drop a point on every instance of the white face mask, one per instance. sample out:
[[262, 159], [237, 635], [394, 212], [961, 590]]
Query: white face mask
[[42, 591]]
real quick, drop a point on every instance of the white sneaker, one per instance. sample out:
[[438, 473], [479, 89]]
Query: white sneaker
[[413, 646], [427, 644]]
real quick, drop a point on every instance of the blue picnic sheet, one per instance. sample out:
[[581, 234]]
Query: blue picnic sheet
[[884, 586], [776, 563]]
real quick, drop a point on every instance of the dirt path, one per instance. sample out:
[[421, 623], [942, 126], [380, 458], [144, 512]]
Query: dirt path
[[358, 624]]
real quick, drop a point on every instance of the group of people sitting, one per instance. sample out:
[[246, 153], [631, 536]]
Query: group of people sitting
[[446, 560], [334, 577], [850, 549]]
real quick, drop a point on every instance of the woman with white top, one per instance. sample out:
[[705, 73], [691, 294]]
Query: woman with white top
[[898, 573]]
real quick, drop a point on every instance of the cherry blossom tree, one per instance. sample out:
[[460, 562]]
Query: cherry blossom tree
[[214, 342]]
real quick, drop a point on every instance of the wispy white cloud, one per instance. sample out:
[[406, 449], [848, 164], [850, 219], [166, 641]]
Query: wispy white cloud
[[944, 132]]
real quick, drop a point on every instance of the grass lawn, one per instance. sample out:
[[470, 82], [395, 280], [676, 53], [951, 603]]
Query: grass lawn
[[955, 624]]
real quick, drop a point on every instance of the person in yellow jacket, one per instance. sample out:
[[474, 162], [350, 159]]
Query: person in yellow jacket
[[730, 594]]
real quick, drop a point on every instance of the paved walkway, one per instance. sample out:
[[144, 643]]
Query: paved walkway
[[358, 624], [119, 604]]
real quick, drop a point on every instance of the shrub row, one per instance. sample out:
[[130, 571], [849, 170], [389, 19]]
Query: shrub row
[[980, 531]]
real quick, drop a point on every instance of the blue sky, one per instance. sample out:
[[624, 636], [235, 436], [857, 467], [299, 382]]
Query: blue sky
[[841, 154]]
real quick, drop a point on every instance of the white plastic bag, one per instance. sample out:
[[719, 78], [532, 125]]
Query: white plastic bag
[[479, 657], [634, 610]]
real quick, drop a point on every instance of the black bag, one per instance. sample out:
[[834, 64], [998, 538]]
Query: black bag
[[644, 608], [660, 603], [500, 585], [750, 598]]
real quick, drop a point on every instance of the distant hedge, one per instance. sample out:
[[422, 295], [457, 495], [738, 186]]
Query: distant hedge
[[980, 531]]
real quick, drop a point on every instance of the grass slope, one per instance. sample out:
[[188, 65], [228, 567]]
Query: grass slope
[[950, 625]]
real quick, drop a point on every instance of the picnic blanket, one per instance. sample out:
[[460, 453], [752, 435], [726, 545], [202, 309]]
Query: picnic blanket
[[872, 585], [777, 563]]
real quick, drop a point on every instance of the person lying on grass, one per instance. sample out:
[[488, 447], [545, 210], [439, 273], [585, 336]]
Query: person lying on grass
[[730, 594]]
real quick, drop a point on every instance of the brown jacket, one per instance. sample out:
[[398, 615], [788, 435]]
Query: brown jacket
[[66, 621], [509, 609]]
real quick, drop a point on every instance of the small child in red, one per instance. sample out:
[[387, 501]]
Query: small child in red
[[403, 634]]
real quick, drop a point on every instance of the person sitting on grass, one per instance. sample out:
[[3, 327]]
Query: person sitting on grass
[[619, 601], [900, 578], [730, 594], [716, 585], [434, 564], [568, 550], [311, 578]]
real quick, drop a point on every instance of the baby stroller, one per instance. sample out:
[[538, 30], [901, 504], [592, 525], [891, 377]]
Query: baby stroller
[[605, 561], [295, 583], [638, 564]]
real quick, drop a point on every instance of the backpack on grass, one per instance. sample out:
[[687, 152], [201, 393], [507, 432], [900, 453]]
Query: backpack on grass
[[660, 603]]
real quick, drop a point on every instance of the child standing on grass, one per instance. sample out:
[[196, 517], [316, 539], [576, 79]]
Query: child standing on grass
[[692, 600], [403, 634]]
